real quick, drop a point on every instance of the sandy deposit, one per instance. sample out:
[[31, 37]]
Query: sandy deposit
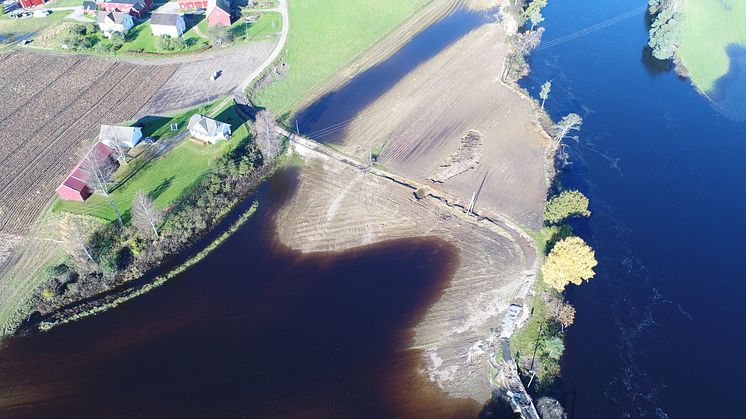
[[423, 119], [338, 207]]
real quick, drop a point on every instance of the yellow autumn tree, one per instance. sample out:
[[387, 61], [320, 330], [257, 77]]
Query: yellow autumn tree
[[571, 261]]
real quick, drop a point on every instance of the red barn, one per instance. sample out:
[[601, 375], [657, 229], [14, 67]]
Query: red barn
[[218, 13], [137, 8], [75, 186], [192, 4], [31, 3]]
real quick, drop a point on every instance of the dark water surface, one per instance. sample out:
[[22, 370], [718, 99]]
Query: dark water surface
[[659, 331], [326, 119], [254, 330]]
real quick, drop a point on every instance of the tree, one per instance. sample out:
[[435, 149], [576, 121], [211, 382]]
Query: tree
[[533, 12], [665, 31], [554, 347], [219, 35], [99, 168], [550, 409], [267, 137], [544, 93], [119, 147], [571, 261], [117, 40], [145, 215], [566, 204], [568, 123], [75, 241], [565, 315]]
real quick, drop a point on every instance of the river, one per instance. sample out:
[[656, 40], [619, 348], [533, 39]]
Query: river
[[659, 330], [258, 330]]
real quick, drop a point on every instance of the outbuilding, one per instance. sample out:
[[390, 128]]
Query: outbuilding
[[218, 13], [89, 7], [208, 130], [31, 3], [167, 24], [75, 186], [127, 136], [192, 4], [137, 8]]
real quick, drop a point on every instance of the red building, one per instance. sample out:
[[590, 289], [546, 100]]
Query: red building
[[137, 8], [75, 186], [218, 13], [192, 4], [31, 3]]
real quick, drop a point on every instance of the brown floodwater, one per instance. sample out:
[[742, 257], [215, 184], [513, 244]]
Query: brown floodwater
[[254, 330]]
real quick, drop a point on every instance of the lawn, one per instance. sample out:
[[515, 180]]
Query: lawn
[[17, 27], [165, 178], [268, 23], [141, 38], [708, 28], [324, 36]]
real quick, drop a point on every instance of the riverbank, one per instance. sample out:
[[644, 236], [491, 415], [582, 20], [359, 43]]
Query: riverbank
[[427, 114]]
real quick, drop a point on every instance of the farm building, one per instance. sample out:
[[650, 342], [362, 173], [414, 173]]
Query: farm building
[[75, 186], [137, 8], [110, 22], [192, 4], [128, 136], [218, 13], [208, 130], [167, 24], [31, 3], [89, 7]]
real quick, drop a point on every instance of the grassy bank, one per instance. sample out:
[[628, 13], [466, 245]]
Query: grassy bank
[[325, 35], [708, 28], [112, 302]]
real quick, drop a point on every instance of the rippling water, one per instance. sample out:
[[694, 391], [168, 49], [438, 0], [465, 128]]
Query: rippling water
[[658, 331]]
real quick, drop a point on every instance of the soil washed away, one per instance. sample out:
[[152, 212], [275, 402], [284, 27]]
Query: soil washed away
[[254, 330]]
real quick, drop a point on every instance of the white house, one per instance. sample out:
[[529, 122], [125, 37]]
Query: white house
[[167, 24], [208, 130], [128, 136], [110, 22]]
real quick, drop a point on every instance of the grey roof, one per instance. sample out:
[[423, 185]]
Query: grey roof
[[222, 4], [110, 132], [164, 19], [115, 17], [206, 126]]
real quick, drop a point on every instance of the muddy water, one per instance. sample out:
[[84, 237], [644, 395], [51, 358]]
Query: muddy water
[[254, 330], [326, 119]]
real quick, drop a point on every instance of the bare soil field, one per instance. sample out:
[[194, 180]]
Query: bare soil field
[[190, 85], [338, 207], [423, 119]]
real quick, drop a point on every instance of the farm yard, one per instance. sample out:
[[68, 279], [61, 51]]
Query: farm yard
[[52, 113]]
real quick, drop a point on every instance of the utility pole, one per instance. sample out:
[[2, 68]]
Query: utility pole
[[297, 128], [533, 357], [471, 203]]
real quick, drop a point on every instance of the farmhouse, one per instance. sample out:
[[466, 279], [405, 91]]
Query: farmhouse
[[208, 130], [75, 186], [31, 3], [218, 13], [89, 7], [110, 22], [192, 4], [137, 8], [167, 24], [127, 136]]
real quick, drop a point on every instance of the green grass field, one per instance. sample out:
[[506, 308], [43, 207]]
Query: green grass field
[[16, 27], [166, 178], [709, 27], [324, 36], [141, 38]]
